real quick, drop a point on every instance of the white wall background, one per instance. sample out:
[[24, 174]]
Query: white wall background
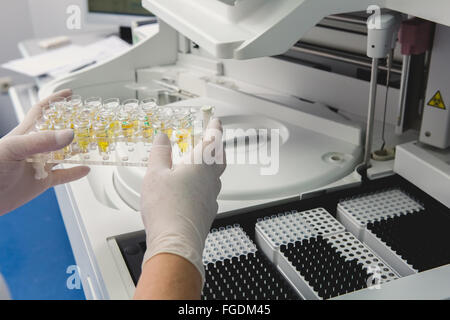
[[49, 17], [15, 26], [27, 19]]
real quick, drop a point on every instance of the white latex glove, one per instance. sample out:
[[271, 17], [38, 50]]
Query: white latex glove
[[179, 204], [4, 291], [17, 177]]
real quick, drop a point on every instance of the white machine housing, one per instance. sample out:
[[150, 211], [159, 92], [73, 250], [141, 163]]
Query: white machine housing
[[435, 130], [319, 149]]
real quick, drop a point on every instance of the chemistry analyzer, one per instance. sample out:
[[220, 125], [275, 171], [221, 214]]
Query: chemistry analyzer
[[357, 94]]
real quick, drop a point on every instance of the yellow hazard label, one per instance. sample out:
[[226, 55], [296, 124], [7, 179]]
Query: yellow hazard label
[[437, 101]]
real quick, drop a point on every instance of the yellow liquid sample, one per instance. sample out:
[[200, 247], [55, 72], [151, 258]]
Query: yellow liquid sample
[[168, 132], [66, 150], [103, 145], [59, 155], [51, 117], [147, 131], [128, 130], [183, 140], [83, 138], [102, 141], [113, 129]]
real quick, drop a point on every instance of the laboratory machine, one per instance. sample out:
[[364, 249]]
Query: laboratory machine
[[350, 101]]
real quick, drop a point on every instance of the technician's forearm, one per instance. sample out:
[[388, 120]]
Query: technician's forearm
[[168, 276]]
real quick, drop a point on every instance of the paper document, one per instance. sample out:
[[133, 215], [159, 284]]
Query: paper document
[[94, 53], [61, 61], [42, 63]]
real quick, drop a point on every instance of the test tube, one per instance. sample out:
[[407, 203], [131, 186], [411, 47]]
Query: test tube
[[57, 103], [127, 126], [74, 102], [113, 130], [61, 154], [191, 125], [156, 125], [71, 108], [146, 129], [148, 105], [68, 116], [166, 125], [130, 105], [42, 124], [82, 133], [93, 104], [147, 115], [51, 115], [111, 104], [54, 110], [102, 137], [183, 131]]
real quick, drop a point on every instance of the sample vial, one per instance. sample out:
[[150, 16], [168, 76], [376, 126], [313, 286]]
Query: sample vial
[[126, 122], [130, 105], [183, 130], [68, 116], [166, 125], [53, 111], [93, 104], [145, 128], [112, 127], [42, 124], [111, 106], [82, 133], [101, 136], [57, 103], [74, 102], [183, 140], [148, 105], [61, 154]]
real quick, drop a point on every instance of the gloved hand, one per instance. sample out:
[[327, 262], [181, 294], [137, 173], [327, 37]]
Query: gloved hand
[[17, 182], [179, 204]]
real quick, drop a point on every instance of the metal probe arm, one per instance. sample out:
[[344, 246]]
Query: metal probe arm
[[381, 39]]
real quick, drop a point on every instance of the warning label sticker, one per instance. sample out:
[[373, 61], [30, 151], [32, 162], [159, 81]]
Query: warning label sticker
[[437, 101]]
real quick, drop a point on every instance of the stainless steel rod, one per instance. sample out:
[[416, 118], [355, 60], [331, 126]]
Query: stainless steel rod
[[371, 111], [386, 96], [355, 20], [403, 92], [340, 58]]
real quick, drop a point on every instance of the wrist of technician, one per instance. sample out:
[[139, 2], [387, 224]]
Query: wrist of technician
[[177, 245]]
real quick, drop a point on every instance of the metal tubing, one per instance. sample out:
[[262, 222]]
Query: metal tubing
[[341, 58], [403, 93], [386, 96], [371, 112]]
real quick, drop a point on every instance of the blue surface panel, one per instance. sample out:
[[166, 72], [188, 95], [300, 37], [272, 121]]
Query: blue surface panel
[[35, 252]]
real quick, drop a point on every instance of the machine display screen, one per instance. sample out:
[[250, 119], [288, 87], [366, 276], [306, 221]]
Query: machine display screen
[[126, 7]]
